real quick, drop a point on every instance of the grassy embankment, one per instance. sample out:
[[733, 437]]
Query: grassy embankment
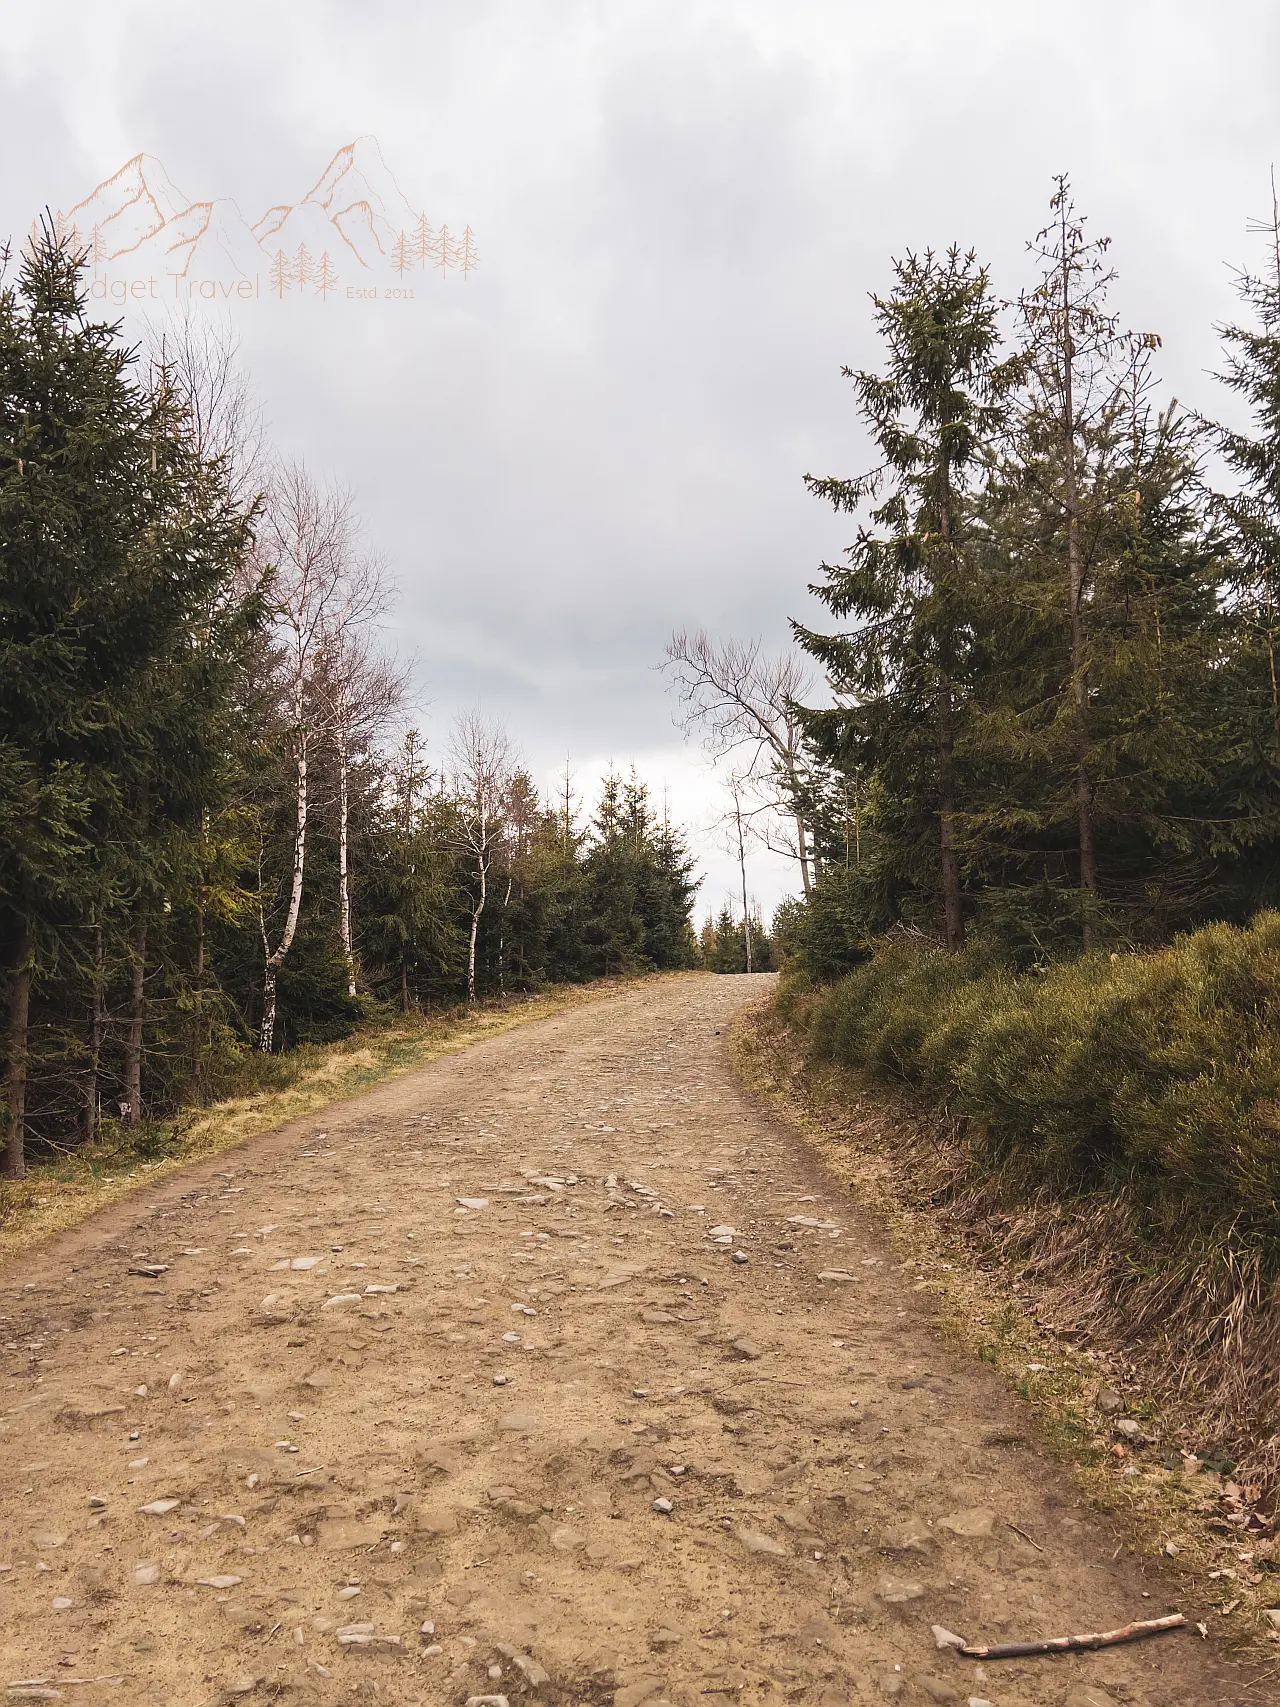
[[1086, 1163], [63, 1191]]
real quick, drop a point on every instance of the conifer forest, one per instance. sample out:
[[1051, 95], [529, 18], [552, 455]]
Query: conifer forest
[[220, 831], [1055, 714]]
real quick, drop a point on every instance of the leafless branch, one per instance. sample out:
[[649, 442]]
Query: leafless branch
[[200, 362], [1064, 1644], [746, 701]]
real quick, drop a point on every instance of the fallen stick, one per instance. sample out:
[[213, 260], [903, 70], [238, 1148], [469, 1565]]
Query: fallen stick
[[1068, 1644]]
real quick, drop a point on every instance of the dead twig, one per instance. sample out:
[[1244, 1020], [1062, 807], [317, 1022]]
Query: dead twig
[[1067, 1644], [1026, 1537], [777, 1381]]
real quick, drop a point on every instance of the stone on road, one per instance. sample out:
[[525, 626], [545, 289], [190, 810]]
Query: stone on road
[[479, 1403]]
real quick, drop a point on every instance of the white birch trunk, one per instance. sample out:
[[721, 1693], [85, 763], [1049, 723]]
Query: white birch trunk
[[275, 958], [482, 863]]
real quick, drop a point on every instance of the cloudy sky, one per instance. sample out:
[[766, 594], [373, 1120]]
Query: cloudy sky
[[680, 207]]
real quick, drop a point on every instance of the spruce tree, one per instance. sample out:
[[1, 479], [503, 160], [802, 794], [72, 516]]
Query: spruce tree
[[70, 481], [1094, 733], [902, 675], [639, 885], [1253, 510], [121, 635], [1249, 517]]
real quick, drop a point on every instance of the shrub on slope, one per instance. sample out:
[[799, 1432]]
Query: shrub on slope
[[1119, 1127]]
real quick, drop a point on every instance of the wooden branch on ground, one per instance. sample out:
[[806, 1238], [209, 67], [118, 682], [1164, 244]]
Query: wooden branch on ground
[[1067, 1644]]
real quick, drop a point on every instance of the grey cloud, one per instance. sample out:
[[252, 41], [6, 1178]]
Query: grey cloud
[[681, 209]]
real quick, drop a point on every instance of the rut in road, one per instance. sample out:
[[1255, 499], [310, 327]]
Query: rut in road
[[456, 1391]]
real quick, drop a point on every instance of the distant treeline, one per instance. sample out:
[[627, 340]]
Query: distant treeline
[[215, 833], [730, 944]]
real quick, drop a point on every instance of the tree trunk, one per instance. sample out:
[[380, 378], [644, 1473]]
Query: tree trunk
[[475, 931], [502, 940], [952, 909], [1271, 660], [792, 781], [202, 897], [471, 957], [16, 1079], [1084, 782], [404, 981], [131, 1108], [275, 958], [198, 1036], [95, 1042], [344, 887], [266, 1037], [1079, 651], [1080, 708], [742, 866], [802, 850]]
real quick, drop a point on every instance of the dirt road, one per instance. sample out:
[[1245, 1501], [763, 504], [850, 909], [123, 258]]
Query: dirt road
[[554, 1370]]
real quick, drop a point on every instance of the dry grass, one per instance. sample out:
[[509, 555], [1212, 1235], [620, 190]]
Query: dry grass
[[63, 1193], [1018, 1289], [1112, 1125]]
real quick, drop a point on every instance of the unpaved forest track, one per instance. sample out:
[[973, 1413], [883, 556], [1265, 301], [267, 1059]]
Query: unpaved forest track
[[840, 1477]]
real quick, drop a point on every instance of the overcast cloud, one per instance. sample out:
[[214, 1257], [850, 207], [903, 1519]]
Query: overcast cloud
[[680, 209]]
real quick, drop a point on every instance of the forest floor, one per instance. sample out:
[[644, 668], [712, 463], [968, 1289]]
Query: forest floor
[[559, 1369]]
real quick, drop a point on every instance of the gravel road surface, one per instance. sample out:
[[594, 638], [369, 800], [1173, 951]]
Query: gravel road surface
[[555, 1371]]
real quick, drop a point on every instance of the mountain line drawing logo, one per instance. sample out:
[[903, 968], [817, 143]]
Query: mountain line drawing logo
[[353, 237]]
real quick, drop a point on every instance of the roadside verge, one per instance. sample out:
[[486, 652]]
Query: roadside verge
[[1130, 1453]]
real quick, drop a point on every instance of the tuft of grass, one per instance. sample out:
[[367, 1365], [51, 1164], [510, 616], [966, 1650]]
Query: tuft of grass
[[63, 1192]]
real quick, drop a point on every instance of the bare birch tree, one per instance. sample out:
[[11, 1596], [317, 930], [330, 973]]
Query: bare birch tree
[[360, 690], [306, 539], [744, 700], [482, 768]]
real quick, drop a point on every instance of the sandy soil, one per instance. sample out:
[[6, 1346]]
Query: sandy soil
[[454, 1391]]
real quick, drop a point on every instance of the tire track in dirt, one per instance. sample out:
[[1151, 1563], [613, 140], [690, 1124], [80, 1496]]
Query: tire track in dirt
[[557, 1370]]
